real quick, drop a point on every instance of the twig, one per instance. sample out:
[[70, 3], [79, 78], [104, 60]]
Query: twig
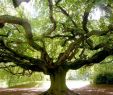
[[60, 36], [66, 14]]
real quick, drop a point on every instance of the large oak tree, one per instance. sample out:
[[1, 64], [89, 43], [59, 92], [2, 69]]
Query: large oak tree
[[69, 39]]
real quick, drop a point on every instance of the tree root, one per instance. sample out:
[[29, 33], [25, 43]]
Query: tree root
[[53, 92]]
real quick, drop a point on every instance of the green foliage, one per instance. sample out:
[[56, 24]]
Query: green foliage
[[80, 74], [99, 73], [83, 73], [29, 84], [104, 78], [41, 25], [14, 80], [102, 73]]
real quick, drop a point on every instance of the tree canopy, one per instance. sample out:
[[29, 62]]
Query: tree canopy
[[60, 35]]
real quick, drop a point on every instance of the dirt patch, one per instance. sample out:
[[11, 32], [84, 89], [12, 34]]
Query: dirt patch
[[88, 90], [19, 91], [96, 90]]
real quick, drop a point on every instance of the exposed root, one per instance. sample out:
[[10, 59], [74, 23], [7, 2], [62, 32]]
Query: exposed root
[[53, 92]]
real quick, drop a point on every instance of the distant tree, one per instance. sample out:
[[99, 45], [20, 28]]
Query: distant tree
[[16, 3], [68, 39]]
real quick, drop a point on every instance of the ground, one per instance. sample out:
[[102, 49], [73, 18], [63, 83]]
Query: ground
[[96, 90], [86, 90]]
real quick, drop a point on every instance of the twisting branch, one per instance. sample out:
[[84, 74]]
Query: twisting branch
[[58, 1], [16, 28], [5, 51], [3, 67], [51, 15], [6, 56], [85, 16], [85, 20], [66, 14], [96, 58], [98, 33], [32, 60], [73, 47], [8, 68], [28, 63], [3, 46], [82, 53], [26, 26], [101, 45], [72, 54], [59, 36], [16, 20]]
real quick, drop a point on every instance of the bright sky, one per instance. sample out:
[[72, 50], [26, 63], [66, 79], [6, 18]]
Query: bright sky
[[97, 13], [29, 7]]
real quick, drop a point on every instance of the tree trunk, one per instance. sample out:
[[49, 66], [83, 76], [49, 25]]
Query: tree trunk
[[58, 83]]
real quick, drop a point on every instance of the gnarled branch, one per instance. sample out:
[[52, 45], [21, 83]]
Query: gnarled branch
[[85, 16], [96, 58], [66, 14], [72, 47], [27, 27], [51, 15]]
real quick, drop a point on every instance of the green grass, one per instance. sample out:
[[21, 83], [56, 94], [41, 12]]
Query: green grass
[[27, 85]]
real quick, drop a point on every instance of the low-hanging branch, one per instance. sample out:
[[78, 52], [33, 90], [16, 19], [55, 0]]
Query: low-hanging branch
[[16, 54], [28, 63], [27, 27], [96, 58], [6, 56], [16, 20]]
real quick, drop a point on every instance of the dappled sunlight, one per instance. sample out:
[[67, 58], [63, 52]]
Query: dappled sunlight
[[82, 87]]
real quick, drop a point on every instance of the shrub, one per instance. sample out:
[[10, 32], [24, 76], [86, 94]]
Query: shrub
[[103, 78]]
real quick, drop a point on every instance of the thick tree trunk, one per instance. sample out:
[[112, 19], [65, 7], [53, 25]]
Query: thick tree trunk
[[58, 84]]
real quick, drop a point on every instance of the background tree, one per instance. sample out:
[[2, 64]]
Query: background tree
[[64, 37], [16, 3]]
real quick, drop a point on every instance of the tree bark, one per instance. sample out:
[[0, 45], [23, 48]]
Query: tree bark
[[58, 83]]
